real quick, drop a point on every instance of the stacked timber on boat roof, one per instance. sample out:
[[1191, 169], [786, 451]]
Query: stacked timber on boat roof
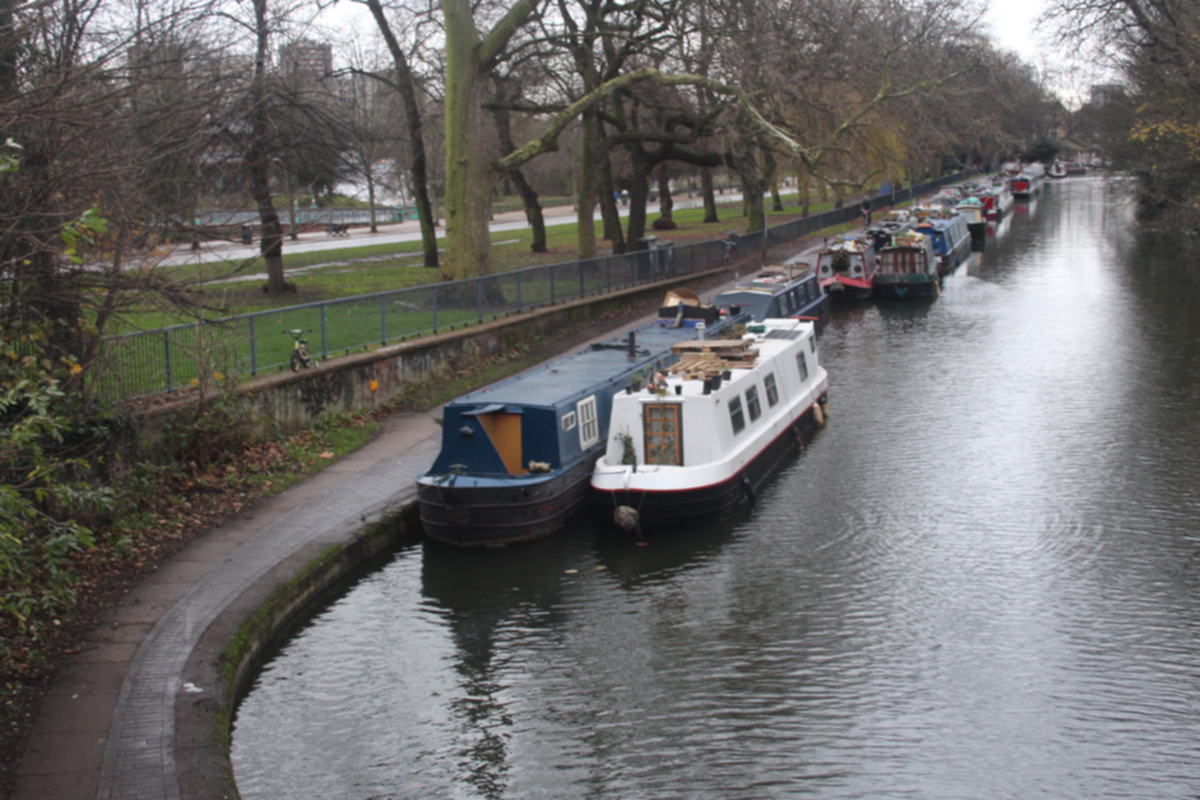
[[710, 357]]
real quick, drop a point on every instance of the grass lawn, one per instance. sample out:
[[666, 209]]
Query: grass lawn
[[223, 289]]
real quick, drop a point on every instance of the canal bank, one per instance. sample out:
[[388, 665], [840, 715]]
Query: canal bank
[[978, 581], [141, 709]]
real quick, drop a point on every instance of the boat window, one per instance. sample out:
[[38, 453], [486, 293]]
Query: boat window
[[589, 431], [752, 404], [664, 438], [802, 365], [568, 420], [735, 415], [785, 303], [812, 343], [772, 390]]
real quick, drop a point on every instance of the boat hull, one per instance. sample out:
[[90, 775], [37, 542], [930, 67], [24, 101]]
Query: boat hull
[[467, 513], [847, 290], [663, 509], [906, 287]]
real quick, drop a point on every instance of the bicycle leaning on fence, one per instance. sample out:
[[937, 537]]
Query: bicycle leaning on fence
[[300, 355]]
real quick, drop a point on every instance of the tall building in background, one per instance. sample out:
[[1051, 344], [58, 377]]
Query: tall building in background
[[306, 60]]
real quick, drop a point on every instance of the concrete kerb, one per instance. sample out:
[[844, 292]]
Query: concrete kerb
[[230, 652]]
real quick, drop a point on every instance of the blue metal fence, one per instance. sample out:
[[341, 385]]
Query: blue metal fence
[[164, 360]]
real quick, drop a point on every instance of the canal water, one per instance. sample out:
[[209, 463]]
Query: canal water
[[981, 580]]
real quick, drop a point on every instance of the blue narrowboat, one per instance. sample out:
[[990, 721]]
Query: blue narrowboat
[[951, 238], [517, 456], [776, 292]]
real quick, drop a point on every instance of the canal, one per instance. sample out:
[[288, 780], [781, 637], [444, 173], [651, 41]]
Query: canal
[[981, 580]]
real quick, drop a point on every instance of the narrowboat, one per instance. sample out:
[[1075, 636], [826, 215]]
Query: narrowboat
[[846, 268], [775, 291], [714, 426], [908, 268], [972, 211], [516, 456], [997, 200], [1029, 180], [951, 238]]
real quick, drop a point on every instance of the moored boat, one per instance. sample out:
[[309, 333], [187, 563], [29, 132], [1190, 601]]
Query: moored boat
[[517, 455], [997, 200], [972, 211], [713, 428], [846, 268], [1027, 182], [1057, 170], [951, 239], [775, 291], [908, 268]]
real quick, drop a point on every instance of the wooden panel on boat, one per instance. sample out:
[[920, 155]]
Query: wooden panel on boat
[[505, 432]]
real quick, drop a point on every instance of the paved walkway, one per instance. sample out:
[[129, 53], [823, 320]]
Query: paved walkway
[[394, 232], [108, 727]]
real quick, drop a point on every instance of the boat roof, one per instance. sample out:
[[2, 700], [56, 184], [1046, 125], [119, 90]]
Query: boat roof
[[577, 375], [770, 280], [849, 244], [909, 239]]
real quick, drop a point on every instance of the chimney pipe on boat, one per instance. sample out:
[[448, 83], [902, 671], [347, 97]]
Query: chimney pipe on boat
[[632, 344]]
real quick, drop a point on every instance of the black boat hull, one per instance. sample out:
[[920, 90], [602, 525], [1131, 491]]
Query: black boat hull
[[494, 516]]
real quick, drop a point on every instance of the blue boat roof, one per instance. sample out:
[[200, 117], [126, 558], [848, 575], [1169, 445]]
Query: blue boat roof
[[575, 375]]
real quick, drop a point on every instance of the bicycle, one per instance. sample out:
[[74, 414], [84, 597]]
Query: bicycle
[[300, 355]]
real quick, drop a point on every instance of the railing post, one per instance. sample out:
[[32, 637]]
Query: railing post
[[479, 296], [519, 290], [608, 274], [435, 309], [383, 320], [167, 346], [253, 350], [581, 286], [551, 268], [324, 338]]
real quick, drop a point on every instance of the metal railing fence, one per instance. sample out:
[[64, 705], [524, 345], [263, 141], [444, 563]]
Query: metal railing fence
[[159, 361]]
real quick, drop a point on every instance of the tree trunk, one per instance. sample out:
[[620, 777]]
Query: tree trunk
[[710, 202], [416, 138], [258, 159], [609, 208], [469, 179], [639, 191], [586, 202], [666, 203], [371, 196], [529, 197]]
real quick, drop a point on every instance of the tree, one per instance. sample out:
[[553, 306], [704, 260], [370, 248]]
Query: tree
[[1155, 46], [403, 82], [470, 175]]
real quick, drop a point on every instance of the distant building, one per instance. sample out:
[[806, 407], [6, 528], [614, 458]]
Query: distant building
[[306, 60]]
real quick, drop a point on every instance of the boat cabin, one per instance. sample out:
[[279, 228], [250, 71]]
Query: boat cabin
[[776, 292]]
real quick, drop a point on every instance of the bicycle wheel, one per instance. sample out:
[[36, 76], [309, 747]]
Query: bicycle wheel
[[296, 362]]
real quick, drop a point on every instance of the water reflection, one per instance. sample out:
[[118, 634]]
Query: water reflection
[[979, 581]]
